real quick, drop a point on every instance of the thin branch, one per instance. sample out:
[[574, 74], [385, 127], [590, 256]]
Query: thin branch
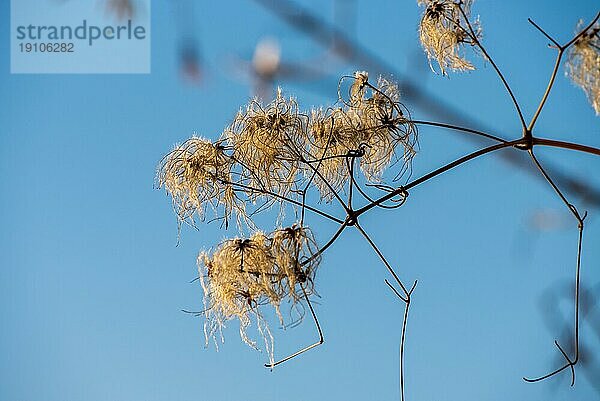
[[547, 91], [286, 199], [500, 75], [303, 350], [394, 290], [550, 38], [437, 172], [350, 166], [580, 34], [566, 145], [315, 172], [327, 245], [457, 128], [403, 332], [331, 189], [406, 298], [570, 206], [561, 51], [580, 224], [538, 379], [402, 342]]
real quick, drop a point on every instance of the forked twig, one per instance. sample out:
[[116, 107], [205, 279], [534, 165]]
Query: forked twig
[[303, 350], [580, 220], [403, 335], [405, 298], [327, 245], [561, 52], [385, 262]]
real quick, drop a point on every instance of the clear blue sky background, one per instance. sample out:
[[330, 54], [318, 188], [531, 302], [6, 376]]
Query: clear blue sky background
[[91, 283]]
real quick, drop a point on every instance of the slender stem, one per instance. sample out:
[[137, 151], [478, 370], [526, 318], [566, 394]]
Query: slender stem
[[437, 172], [591, 24], [394, 290], [580, 223], [312, 177], [457, 128], [550, 38], [547, 91], [350, 166], [554, 372], [303, 350], [331, 189], [561, 51], [566, 145], [399, 203], [358, 188], [403, 333], [327, 245], [385, 262], [570, 206], [284, 198], [402, 341], [506, 85]]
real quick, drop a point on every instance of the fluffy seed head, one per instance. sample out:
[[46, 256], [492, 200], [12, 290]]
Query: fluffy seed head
[[332, 137], [370, 126], [385, 125], [197, 175], [267, 142], [242, 275], [295, 253], [443, 32]]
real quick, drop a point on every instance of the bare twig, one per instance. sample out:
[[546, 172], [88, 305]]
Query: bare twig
[[303, 350], [580, 223], [561, 51], [477, 42]]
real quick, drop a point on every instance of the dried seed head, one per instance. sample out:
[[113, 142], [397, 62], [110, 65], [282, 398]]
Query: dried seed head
[[443, 32], [242, 275], [583, 64], [268, 142], [370, 126], [385, 125], [332, 138], [236, 281], [197, 175], [295, 252]]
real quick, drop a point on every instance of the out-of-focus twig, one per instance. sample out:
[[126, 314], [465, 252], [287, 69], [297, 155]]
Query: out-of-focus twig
[[189, 53]]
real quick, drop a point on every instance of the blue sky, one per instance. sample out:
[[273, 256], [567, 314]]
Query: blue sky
[[92, 284]]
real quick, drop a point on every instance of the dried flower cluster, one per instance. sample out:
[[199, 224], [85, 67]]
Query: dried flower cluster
[[583, 64], [444, 30], [271, 151], [371, 124], [197, 174], [270, 154], [269, 143], [243, 274]]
